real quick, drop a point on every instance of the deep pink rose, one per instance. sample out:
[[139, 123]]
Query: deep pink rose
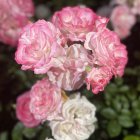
[[23, 112], [122, 20], [39, 47], [105, 46], [75, 22], [13, 17], [98, 78], [75, 63], [46, 100]]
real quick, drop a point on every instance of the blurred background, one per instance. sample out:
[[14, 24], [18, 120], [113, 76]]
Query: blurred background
[[118, 107]]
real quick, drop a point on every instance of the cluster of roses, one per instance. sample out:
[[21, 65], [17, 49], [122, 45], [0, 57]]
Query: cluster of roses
[[70, 118], [73, 49], [14, 14], [123, 16]]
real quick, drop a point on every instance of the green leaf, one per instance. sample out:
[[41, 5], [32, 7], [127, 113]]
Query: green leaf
[[4, 136], [124, 88], [119, 81], [132, 95], [126, 112], [125, 121], [45, 132], [17, 131], [111, 88], [109, 113], [113, 128], [131, 137], [30, 132], [117, 105], [136, 113]]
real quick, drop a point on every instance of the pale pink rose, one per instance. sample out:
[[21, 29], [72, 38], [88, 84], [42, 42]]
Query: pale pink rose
[[98, 78], [105, 45], [67, 79], [75, 22], [10, 23], [23, 112], [122, 20], [136, 7], [21, 7], [39, 47], [75, 63], [46, 100], [10, 29]]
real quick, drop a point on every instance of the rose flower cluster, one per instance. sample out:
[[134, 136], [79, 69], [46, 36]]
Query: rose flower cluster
[[73, 49], [14, 15], [124, 16]]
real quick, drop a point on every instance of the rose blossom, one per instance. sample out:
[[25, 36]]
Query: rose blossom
[[10, 29], [12, 22], [98, 78], [49, 139], [67, 130], [21, 7], [122, 20], [46, 100], [79, 109], [136, 7], [121, 59], [75, 63], [78, 120], [75, 22], [23, 112], [39, 47], [103, 45]]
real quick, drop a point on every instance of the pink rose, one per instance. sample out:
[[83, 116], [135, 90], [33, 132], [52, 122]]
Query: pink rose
[[10, 29], [14, 16], [121, 59], [39, 47], [46, 100], [105, 46], [98, 78], [23, 112], [122, 20], [75, 22], [21, 7], [136, 7], [75, 63], [68, 79]]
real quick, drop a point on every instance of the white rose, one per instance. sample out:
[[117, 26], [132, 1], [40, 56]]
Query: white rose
[[78, 119], [66, 130], [49, 139], [79, 109]]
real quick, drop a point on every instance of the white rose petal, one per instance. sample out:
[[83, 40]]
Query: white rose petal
[[79, 110]]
